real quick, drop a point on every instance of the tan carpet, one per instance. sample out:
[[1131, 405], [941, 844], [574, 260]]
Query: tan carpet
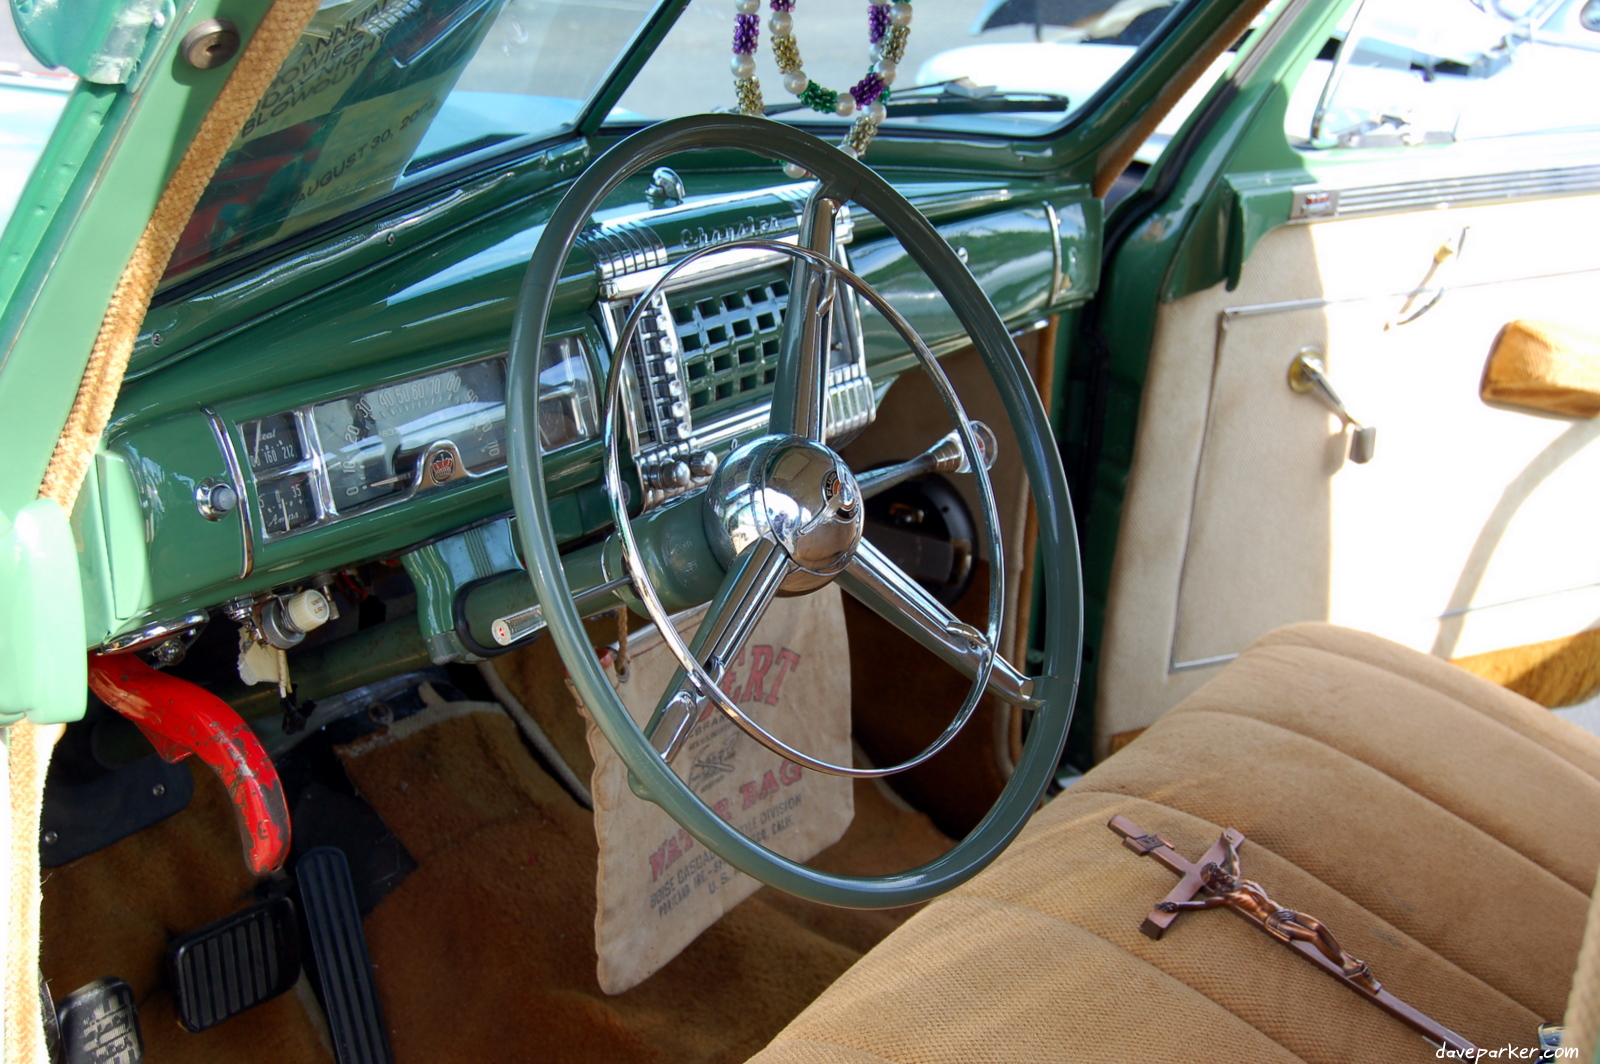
[[113, 913], [489, 944], [486, 951]]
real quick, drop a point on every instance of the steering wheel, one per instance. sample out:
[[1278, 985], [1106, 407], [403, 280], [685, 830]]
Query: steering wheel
[[784, 512]]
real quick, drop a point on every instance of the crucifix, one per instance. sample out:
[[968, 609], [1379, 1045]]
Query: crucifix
[[1216, 876]]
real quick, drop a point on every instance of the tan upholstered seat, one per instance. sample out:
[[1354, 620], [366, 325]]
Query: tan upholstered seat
[[1443, 827]]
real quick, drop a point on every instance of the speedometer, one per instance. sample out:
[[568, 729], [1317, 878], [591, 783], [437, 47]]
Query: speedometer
[[373, 441], [362, 450]]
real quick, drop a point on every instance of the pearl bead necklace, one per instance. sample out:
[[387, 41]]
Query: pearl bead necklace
[[888, 29]]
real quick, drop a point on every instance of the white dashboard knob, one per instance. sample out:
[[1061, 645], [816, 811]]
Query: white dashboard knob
[[307, 610]]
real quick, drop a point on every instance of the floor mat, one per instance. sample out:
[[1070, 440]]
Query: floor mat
[[486, 951], [114, 911]]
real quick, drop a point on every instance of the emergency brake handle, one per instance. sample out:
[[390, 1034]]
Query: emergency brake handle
[[181, 718]]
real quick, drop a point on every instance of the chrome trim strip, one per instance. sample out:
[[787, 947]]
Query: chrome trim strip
[[247, 532], [1322, 202], [624, 248], [154, 633], [1200, 663], [524, 622], [1252, 310], [1058, 277]]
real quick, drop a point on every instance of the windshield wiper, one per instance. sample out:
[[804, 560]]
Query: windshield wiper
[[959, 97]]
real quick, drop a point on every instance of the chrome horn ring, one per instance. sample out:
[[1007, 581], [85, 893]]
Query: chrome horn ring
[[756, 573]]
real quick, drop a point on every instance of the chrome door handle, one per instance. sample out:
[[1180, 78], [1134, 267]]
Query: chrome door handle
[[1307, 374]]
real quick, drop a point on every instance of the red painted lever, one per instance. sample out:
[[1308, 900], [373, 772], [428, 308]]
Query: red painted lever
[[180, 718]]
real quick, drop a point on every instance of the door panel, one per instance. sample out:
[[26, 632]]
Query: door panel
[[1469, 530]]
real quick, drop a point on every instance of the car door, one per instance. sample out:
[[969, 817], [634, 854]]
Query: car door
[[1392, 206]]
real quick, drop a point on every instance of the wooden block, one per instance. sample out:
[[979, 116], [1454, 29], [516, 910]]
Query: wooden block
[[1539, 365], [1555, 673]]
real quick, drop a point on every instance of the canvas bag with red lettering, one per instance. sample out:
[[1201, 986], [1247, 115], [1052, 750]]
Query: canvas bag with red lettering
[[657, 888]]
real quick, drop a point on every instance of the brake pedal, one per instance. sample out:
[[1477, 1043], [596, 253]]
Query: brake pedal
[[99, 1024], [234, 964], [339, 951]]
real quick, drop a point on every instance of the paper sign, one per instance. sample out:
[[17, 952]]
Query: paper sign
[[658, 888]]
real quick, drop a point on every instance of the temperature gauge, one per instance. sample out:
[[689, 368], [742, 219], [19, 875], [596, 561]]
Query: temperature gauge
[[272, 443]]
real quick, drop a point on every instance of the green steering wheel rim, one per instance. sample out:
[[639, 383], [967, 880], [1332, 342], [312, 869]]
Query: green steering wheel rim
[[1055, 688]]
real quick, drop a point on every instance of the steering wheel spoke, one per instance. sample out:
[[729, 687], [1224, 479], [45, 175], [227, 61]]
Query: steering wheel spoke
[[884, 587], [740, 603], [800, 393]]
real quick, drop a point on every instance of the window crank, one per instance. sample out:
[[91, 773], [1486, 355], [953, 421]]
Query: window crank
[[1308, 374]]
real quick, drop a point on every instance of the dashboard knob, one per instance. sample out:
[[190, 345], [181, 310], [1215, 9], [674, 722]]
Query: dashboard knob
[[703, 464], [670, 476], [215, 499], [307, 610]]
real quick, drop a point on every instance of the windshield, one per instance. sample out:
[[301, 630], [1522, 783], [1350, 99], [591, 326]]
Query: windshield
[[378, 92], [992, 49]]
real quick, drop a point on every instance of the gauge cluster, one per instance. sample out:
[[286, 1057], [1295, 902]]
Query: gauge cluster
[[370, 448]]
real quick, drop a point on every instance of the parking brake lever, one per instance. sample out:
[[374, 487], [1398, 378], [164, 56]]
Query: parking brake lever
[[181, 718], [1308, 374]]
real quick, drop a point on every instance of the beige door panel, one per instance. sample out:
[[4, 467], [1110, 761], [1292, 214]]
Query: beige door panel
[[1469, 530]]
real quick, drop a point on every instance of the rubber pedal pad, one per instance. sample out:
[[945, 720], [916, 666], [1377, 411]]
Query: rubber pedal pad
[[339, 954], [99, 1024], [234, 964]]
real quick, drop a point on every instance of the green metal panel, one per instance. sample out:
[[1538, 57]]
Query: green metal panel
[[94, 562], [43, 671], [369, 655], [167, 461], [75, 227], [99, 42], [356, 312], [443, 568], [123, 527]]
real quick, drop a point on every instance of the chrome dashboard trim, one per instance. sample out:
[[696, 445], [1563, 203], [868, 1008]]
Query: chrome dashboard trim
[[219, 429], [671, 436], [314, 465]]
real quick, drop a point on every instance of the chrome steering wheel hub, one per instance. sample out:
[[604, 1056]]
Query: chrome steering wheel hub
[[792, 492]]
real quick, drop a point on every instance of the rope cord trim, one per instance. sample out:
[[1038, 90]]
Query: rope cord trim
[[27, 746]]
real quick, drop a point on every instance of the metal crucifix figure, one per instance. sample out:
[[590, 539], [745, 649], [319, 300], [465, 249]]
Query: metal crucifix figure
[[1216, 875]]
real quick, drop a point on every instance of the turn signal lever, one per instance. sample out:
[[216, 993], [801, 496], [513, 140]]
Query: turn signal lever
[[1308, 374], [946, 456], [180, 718]]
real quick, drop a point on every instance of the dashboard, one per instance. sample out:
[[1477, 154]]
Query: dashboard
[[269, 437]]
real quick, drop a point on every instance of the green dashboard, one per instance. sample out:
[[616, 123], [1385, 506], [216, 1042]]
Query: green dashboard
[[345, 401]]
